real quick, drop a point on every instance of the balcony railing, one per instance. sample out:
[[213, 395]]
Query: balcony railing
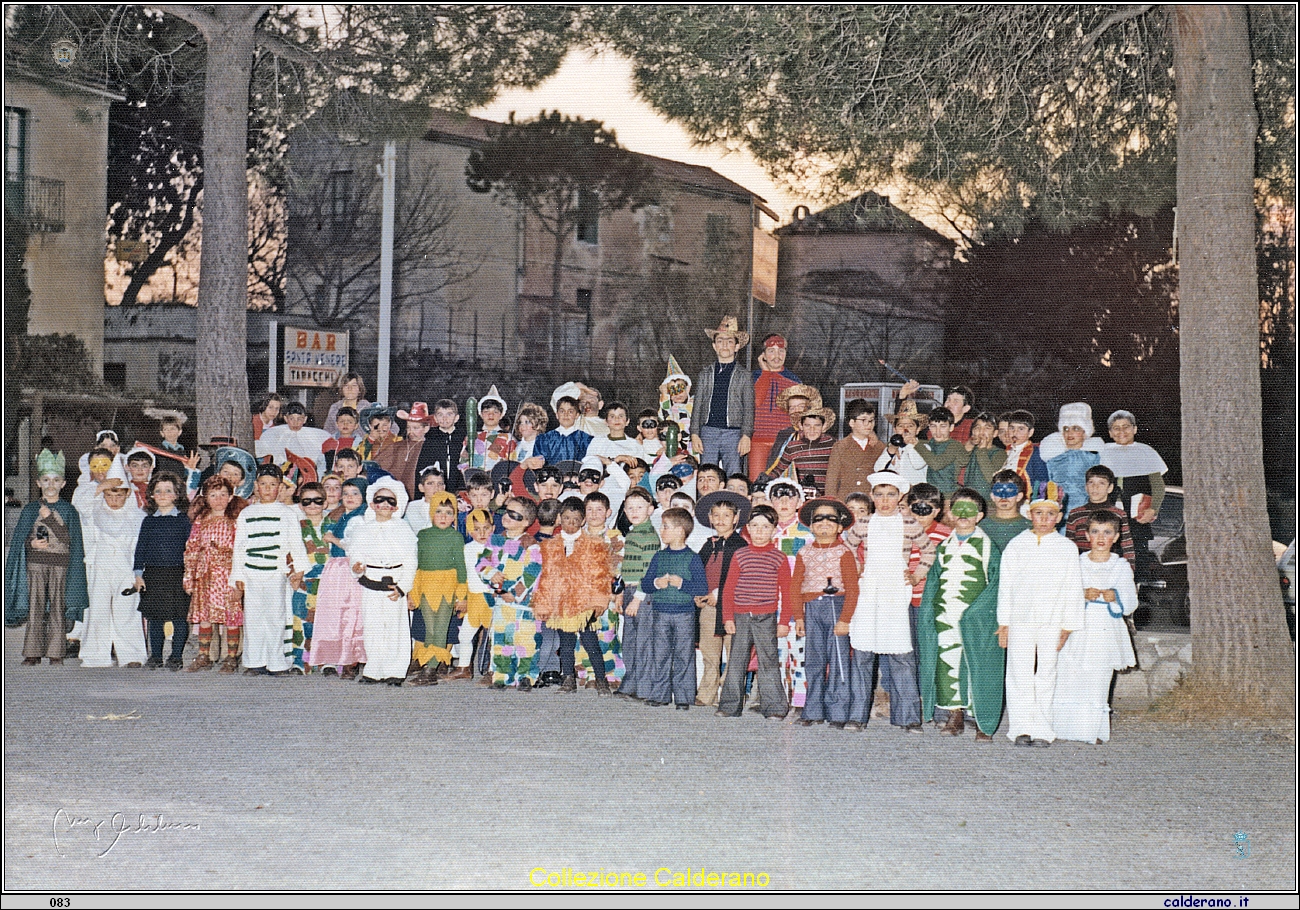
[[38, 201]]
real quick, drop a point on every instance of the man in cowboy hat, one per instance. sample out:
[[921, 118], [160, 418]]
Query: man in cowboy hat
[[400, 458], [723, 421]]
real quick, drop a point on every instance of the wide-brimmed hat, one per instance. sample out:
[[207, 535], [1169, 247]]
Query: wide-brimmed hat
[[706, 504], [826, 414], [841, 510], [907, 408], [729, 326], [375, 410], [242, 458], [798, 390], [419, 413], [889, 479]]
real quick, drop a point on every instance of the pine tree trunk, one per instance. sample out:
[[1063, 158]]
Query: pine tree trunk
[[220, 366], [1240, 644]]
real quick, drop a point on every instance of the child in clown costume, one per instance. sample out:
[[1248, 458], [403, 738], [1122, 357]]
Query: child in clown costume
[[440, 586], [511, 565], [676, 403]]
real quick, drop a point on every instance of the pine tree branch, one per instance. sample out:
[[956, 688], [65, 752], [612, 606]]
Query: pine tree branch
[[1115, 18]]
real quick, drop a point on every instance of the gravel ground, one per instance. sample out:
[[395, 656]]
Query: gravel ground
[[251, 783]]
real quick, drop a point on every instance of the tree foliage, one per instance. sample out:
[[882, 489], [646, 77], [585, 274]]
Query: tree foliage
[[1007, 114], [562, 171], [1004, 113]]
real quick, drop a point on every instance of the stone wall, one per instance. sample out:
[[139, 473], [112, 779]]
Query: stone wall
[[1162, 658]]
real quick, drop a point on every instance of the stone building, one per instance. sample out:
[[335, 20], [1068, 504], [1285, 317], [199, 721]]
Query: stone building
[[861, 282], [56, 179], [472, 277]]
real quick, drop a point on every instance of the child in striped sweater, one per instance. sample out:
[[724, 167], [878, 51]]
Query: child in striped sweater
[[757, 590]]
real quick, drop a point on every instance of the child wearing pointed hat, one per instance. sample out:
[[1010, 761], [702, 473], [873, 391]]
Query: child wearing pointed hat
[[493, 443], [676, 403]]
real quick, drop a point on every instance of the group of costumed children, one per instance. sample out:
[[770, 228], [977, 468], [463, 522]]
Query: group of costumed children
[[850, 561]]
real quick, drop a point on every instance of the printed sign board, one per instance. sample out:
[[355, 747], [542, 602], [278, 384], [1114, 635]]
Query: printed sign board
[[313, 357]]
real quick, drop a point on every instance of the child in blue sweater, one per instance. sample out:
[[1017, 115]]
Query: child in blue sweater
[[675, 577]]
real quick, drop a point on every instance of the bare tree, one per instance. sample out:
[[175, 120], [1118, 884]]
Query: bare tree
[[334, 232]]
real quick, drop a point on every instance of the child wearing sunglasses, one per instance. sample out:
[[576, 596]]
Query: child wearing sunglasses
[[314, 524]]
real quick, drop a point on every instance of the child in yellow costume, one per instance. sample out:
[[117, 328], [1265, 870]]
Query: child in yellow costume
[[440, 588]]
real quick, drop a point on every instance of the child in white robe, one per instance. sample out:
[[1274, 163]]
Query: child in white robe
[[1040, 603], [382, 551], [1091, 656]]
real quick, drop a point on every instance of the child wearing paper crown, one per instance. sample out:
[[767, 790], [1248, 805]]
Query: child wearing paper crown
[[45, 575]]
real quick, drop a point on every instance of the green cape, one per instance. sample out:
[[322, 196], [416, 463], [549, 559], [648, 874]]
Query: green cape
[[984, 661]]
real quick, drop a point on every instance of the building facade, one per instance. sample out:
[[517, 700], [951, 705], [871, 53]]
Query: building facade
[[56, 179], [472, 287]]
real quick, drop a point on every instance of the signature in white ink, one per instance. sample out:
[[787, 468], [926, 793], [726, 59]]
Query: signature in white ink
[[112, 829]]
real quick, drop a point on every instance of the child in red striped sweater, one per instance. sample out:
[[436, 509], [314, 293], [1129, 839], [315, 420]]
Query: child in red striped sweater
[[757, 591]]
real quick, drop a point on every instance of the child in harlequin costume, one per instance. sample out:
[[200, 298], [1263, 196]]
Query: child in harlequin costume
[[961, 665], [478, 614], [1087, 663], [676, 403], [493, 443], [440, 587], [314, 524], [45, 576], [574, 586], [792, 535], [511, 565], [268, 550], [382, 550], [1040, 603], [337, 634], [208, 557], [598, 512]]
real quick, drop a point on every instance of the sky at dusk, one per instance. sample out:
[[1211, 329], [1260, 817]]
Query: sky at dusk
[[599, 87]]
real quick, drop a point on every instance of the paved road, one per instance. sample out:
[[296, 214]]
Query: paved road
[[317, 783]]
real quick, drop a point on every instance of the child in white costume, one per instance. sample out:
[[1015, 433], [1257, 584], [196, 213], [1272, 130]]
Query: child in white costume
[[112, 620], [269, 557], [1091, 656], [382, 550], [1040, 602]]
